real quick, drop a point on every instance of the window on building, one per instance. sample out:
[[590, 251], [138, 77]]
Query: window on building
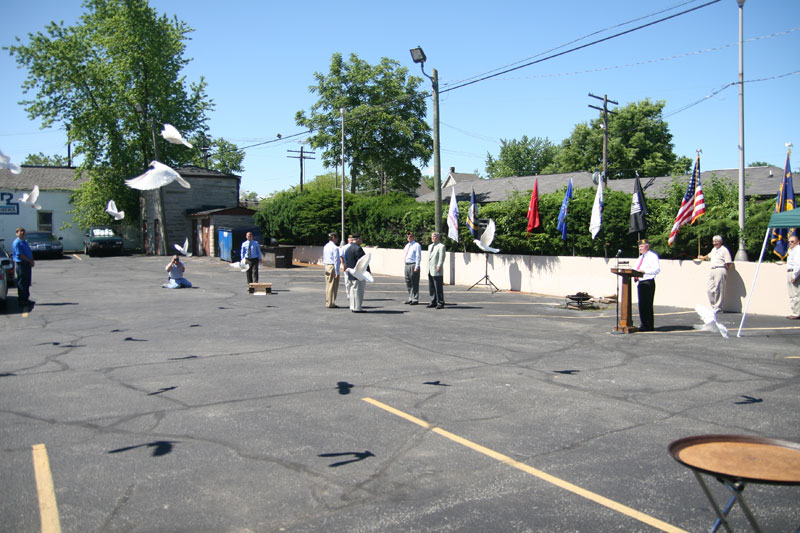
[[45, 222]]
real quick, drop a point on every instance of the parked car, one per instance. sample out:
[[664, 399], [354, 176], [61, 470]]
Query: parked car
[[7, 268], [102, 240], [45, 244], [4, 266]]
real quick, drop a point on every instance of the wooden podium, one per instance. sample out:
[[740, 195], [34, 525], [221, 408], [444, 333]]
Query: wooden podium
[[625, 316]]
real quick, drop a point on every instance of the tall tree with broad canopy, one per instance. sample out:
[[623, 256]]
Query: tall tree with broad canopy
[[110, 77], [524, 157], [638, 140], [384, 123]]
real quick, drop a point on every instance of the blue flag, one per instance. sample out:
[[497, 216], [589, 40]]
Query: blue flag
[[784, 202], [472, 216], [562, 215]]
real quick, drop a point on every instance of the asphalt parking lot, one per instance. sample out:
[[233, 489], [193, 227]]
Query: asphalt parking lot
[[209, 409]]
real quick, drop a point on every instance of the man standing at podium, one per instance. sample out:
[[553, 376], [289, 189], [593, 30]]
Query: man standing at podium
[[649, 264]]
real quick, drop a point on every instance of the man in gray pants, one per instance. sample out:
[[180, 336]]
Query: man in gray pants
[[412, 254]]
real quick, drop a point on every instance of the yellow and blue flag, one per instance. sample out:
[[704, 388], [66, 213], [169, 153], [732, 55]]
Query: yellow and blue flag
[[472, 216], [562, 214], [784, 202]]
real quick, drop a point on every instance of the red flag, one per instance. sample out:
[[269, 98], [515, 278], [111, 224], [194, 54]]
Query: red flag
[[533, 208]]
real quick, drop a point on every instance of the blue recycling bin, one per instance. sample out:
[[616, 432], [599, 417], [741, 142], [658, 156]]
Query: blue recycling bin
[[225, 242]]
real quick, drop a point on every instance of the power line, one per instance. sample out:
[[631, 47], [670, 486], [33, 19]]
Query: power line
[[565, 52]]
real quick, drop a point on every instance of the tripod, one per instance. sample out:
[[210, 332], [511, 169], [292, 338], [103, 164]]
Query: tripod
[[485, 279]]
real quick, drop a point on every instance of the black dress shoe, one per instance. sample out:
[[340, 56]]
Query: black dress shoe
[[413, 303], [407, 302], [439, 307], [361, 311], [430, 305]]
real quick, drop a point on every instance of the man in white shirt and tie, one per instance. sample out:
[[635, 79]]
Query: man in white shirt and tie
[[649, 264], [251, 253], [412, 254], [331, 261]]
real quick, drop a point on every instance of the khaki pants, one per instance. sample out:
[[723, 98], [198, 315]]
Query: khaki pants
[[794, 293], [331, 285], [716, 287]]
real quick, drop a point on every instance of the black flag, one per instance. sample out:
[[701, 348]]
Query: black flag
[[638, 209]]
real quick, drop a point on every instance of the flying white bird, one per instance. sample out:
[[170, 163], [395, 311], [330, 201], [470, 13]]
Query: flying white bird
[[5, 162], [111, 209], [174, 136], [158, 176], [486, 238], [241, 265], [184, 250], [29, 198], [360, 271], [709, 317]]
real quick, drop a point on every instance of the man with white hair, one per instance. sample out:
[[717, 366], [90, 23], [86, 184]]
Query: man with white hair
[[720, 259]]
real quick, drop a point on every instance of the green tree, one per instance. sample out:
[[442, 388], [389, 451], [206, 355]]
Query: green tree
[[638, 140], [42, 160], [524, 157], [94, 76], [385, 128], [223, 156], [759, 164]]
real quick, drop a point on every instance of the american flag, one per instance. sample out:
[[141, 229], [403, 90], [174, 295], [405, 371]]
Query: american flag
[[693, 204]]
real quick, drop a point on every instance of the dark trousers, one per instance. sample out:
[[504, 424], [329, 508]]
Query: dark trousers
[[412, 282], [436, 289], [647, 292], [252, 270], [23, 282]]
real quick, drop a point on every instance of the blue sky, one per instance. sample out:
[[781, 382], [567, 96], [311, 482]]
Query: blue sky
[[259, 59]]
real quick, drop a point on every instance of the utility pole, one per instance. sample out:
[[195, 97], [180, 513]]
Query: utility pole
[[605, 111], [205, 148], [302, 157]]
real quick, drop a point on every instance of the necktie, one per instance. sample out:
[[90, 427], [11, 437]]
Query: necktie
[[641, 260], [408, 249]]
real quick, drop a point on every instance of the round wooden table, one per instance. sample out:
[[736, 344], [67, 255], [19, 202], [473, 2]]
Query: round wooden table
[[735, 460]]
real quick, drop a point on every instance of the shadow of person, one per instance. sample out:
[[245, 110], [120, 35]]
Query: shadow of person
[[735, 291]]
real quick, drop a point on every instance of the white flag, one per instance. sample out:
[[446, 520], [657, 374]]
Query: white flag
[[597, 212], [452, 217]]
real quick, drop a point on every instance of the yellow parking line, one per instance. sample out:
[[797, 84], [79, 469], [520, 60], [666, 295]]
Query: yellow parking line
[[48, 510], [589, 495]]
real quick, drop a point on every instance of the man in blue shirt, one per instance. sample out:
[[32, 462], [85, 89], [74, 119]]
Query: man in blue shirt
[[412, 254], [251, 253], [23, 260]]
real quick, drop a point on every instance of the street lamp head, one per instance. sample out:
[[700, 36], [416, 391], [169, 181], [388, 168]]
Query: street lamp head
[[740, 2], [419, 56]]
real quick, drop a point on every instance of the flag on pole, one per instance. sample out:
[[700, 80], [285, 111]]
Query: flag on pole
[[452, 217], [784, 202], [638, 209], [562, 214], [472, 216], [597, 211], [533, 208], [693, 204]]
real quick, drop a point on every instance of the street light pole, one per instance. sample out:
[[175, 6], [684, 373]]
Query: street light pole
[[741, 254], [419, 57], [341, 110]]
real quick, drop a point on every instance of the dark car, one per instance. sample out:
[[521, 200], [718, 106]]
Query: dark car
[[45, 244], [8, 266], [102, 240], [4, 264]]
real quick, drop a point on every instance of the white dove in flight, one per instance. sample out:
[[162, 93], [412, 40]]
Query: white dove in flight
[[241, 265], [360, 271], [173, 135], [709, 317], [158, 176], [184, 250], [111, 209], [486, 238], [29, 198], [5, 162]]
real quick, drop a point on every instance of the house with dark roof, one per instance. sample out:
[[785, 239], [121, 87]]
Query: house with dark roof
[[759, 182], [56, 184], [189, 213], [454, 177]]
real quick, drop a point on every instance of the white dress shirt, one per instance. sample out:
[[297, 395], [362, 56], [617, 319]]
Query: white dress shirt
[[649, 264], [330, 255], [413, 253]]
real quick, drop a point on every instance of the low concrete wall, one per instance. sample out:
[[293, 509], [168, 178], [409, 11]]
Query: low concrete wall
[[680, 283]]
